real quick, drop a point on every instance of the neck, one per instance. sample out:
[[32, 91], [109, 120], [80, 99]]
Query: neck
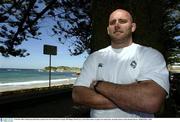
[[121, 44]]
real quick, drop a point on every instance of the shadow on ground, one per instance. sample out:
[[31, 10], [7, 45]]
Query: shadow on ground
[[41, 103]]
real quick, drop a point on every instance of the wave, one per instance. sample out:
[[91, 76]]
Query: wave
[[13, 70], [37, 82]]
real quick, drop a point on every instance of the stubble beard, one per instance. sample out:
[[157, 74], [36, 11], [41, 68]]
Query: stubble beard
[[121, 42]]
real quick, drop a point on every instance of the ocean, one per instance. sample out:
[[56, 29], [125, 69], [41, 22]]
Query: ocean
[[22, 77]]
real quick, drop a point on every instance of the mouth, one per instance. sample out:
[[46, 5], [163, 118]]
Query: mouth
[[118, 31]]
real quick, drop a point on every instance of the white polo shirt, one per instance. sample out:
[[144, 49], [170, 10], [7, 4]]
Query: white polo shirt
[[124, 66]]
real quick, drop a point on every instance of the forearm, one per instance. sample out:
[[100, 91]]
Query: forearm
[[144, 97], [88, 97]]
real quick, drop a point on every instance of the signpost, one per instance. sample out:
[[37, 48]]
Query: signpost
[[50, 50]]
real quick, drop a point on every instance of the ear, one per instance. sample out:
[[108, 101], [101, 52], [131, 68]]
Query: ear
[[133, 27], [108, 30]]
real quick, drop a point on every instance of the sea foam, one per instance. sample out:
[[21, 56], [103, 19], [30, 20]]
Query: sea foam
[[37, 82], [34, 84]]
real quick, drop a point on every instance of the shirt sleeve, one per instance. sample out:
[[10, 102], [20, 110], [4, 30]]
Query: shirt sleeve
[[88, 72], [153, 67]]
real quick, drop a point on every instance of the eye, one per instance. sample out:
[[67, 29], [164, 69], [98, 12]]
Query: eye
[[112, 22], [122, 21]]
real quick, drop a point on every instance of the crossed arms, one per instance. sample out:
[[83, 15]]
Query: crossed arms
[[145, 96]]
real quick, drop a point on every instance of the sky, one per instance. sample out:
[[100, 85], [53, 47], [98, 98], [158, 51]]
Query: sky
[[37, 60]]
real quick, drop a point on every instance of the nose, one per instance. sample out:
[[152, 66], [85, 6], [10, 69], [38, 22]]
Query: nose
[[117, 26]]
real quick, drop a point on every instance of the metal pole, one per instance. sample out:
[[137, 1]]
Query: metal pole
[[49, 70]]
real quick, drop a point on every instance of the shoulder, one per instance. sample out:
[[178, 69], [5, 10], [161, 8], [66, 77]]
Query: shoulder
[[104, 50], [101, 52], [95, 56], [150, 52], [151, 55]]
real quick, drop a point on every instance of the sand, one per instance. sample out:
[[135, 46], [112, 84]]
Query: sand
[[10, 87]]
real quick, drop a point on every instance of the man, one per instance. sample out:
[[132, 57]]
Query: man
[[124, 79]]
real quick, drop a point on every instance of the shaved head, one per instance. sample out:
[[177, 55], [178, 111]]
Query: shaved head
[[123, 12]]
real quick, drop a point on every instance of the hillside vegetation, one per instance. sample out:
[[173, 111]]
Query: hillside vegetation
[[63, 69]]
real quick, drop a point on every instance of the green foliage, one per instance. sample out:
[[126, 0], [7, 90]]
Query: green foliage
[[63, 69], [20, 20], [52, 68], [174, 56], [78, 25], [172, 28]]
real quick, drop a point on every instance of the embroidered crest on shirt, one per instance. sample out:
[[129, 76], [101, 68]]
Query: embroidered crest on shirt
[[100, 65], [133, 64]]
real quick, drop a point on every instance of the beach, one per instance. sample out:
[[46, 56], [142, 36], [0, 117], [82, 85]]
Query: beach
[[19, 79], [24, 85], [26, 93]]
